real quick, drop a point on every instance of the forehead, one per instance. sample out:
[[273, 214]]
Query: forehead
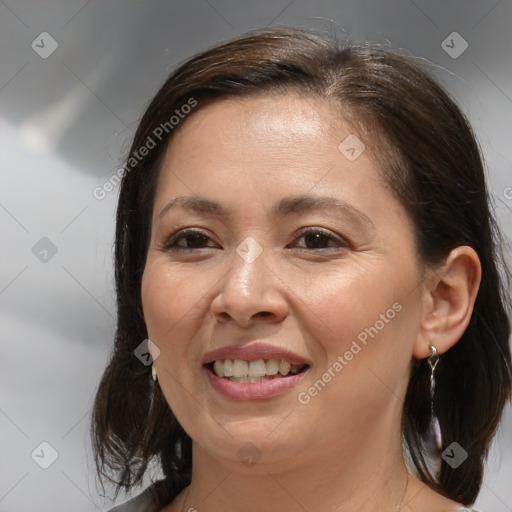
[[282, 118], [252, 135], [261, 148], [249, 161]]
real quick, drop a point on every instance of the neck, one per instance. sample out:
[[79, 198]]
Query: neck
[[369, 476]]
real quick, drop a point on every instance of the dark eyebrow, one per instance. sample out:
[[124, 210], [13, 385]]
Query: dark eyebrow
[[199, 204], [286, 206]]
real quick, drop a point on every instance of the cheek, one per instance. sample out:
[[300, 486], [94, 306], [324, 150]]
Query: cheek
[[346, 302], [367, 314], [157, 299], [364, 323], [165, 300]]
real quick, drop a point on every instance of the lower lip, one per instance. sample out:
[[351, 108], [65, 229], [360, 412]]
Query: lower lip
[[253, 391]]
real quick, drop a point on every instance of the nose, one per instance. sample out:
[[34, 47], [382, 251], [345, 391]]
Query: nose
[[250, 290]]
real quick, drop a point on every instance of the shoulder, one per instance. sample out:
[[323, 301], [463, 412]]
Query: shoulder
[[143, 502]]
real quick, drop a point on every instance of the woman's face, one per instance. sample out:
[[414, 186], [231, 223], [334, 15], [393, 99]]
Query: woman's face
[[248, 288]]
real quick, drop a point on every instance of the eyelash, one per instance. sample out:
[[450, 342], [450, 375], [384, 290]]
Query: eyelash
[[171, 244]]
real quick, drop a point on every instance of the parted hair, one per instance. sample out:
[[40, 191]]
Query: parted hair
[[431, 161]]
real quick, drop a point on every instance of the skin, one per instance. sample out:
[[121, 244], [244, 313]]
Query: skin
[[341, 451]]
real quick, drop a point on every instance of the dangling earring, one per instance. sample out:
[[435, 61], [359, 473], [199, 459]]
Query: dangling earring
[[433, 359], [153, 372]]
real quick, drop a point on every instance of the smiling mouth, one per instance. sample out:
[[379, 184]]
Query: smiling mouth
[[260, 370]]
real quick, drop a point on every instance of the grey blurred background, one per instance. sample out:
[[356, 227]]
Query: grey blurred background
[[75, 76]]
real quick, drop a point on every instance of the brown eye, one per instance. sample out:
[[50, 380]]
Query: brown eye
[[192, 238], [319, 239]]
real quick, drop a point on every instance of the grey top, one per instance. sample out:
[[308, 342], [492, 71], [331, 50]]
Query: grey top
[[145, 502]]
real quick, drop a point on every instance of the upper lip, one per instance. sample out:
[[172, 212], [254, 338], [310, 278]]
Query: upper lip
[[253, 352]]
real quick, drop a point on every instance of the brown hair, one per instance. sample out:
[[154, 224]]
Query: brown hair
[[430, 160]]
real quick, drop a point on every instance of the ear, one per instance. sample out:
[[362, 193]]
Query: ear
[[448, 296]]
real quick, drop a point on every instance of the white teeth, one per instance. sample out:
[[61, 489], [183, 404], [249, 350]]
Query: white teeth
[[284, 368], [218, 368], [252, 380], [228, 368], [257, 368], [239, 370], [272, 367]]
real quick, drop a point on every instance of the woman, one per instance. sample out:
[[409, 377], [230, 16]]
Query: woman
[[304, 234]]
